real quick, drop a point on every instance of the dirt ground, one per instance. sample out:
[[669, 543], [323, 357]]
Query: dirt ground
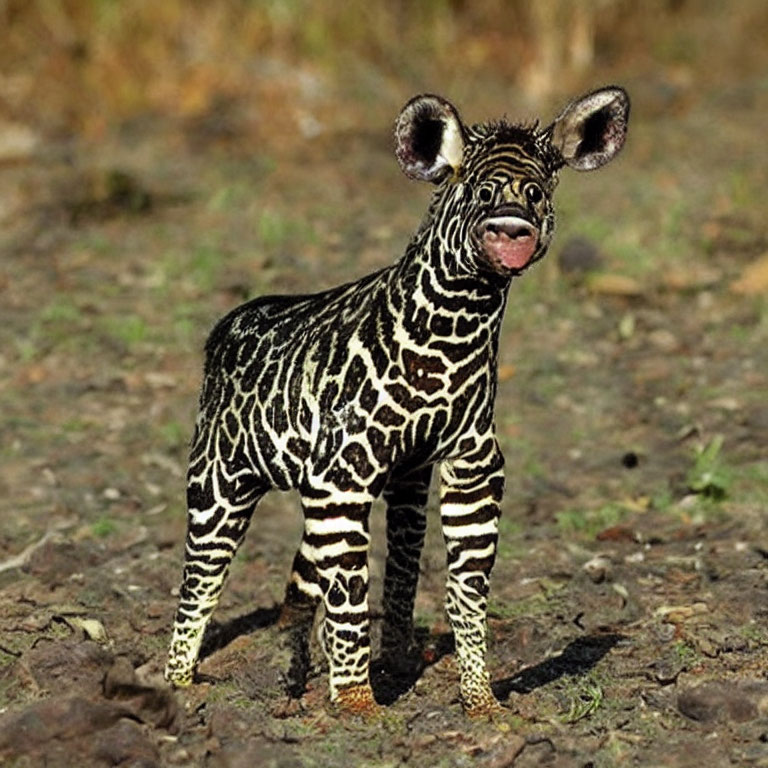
[[629, 607]]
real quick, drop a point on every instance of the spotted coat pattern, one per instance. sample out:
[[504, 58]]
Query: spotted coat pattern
[[359, 391]]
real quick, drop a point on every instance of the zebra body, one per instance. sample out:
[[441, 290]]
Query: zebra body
[[361, 390]]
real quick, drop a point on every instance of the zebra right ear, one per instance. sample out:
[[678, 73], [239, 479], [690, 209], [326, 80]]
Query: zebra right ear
[[429, 139]]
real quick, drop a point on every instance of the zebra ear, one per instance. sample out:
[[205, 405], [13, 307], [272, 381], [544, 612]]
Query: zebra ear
[[429, 139], [591, 130]]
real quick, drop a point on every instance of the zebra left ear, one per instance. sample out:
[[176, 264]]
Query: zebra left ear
[[429, 139], [591, 130]]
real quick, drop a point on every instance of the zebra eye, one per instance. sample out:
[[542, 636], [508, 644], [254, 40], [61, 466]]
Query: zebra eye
[[534, 194], [485, 195]]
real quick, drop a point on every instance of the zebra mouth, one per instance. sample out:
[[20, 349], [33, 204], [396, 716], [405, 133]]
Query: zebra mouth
[[509, 241]]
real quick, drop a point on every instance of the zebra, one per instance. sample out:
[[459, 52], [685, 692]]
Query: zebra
[[360, 391]]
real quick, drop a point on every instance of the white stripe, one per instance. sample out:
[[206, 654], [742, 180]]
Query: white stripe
[[313, 554], [202, 516], [474, 529], [459, 510], [471, 554], [331, 525]]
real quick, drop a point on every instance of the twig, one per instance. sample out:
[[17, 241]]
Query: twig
[[17, 561]]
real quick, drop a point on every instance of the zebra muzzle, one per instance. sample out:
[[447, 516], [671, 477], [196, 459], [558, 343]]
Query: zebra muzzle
[[509, 241]]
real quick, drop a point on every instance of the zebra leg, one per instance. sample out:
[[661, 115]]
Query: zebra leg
[[406, 499], [219, 510], [336, 540], [471, 490], [302, 596]]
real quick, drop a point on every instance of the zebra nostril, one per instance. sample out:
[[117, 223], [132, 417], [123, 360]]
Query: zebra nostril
[[520, 232]]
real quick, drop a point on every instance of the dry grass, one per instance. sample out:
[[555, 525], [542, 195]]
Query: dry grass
[[87, 66]]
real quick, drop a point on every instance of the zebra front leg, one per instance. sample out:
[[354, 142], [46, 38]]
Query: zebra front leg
[[406, 499], [471, 490], [218, 516], [336, 540]]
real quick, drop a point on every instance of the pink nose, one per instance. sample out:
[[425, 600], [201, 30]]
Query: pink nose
[[509, 241]]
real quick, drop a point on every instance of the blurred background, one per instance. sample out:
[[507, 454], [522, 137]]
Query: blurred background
[[282, 69], [161, 162]]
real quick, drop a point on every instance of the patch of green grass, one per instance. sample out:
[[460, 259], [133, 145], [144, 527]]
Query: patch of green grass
[[27, 348], [586, 697], [103, 527], [710, 476], [74, 425], [174, 434], [589, 522], [532, 605], [754, 633], [204, 266], [510, 532], [663, 500], [228, 691], [750, 482], [686, 653], [60, 310], [129, 330], [744, 189], [59, 323], [228, 196], [276, 230]]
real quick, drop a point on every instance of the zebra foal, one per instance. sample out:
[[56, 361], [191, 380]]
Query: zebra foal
[[359, 391]]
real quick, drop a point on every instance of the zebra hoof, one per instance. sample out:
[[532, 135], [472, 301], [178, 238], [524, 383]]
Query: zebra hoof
[[358, 700], [487, 708], [179, 678]]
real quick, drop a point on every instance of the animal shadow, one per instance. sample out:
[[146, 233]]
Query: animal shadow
[[577, 657], [218, 635]]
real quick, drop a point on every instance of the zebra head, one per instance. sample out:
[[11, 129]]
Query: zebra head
[[492, 211]]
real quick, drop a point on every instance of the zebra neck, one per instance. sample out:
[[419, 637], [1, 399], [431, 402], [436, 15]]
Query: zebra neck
[[433, 298]]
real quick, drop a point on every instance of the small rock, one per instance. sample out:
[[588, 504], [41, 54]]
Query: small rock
[[17, 141], [667, 669], [723, 700], [80, 666], [57, 718], [56, 560], [663, 340], [598, 568], [152, 704], [666, 632], [508, 752], [579, 255], [125, 743]]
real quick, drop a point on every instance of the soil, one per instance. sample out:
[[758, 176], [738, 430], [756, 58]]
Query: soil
[[628, 622]]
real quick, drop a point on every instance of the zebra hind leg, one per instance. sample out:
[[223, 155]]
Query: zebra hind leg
[[216, 526], [406, 500], [302, 597]]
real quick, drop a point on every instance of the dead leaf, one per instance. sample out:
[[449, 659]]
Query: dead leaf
[[506, 372], [690, 278], [617, 533], [609, 284], [678, 613], [92, 628], [754, 278]]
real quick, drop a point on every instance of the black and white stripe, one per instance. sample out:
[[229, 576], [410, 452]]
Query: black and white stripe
[[360, 390]]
